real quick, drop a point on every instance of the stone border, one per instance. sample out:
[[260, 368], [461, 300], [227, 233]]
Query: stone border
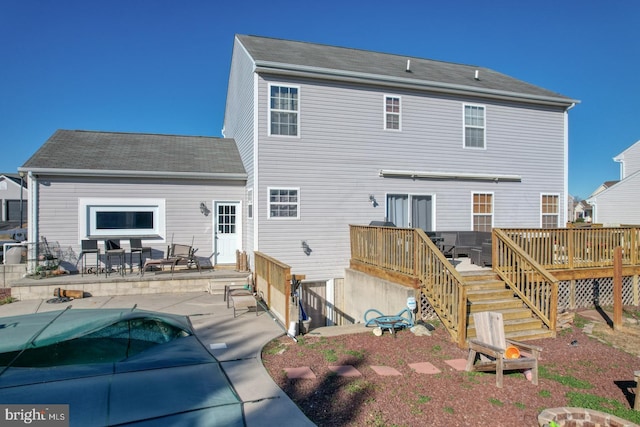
[[576, 417]]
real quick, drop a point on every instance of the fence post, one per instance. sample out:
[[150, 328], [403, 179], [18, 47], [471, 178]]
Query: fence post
[[617, 288]]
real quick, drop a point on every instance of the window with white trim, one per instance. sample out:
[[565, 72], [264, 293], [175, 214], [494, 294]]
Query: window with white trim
[[550, 210], [482, 211], [250, 203], [284, 109], [392, 112], [122, 217], [474, 126], [284, 203]]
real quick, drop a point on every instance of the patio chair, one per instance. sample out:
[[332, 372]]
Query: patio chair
[[487, 352], [88, 247], [448, 245], [112, 249], [184, 254], [136, 247]]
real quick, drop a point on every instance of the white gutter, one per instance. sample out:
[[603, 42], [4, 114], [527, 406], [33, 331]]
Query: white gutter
[[353, 76], [566, 163], [32, 226], [138, 174], [386, 173]]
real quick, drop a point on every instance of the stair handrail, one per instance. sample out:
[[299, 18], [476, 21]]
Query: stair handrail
[[442, 285], [536, 287]]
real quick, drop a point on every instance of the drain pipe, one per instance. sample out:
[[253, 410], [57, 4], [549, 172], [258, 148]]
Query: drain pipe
[[275, 319]]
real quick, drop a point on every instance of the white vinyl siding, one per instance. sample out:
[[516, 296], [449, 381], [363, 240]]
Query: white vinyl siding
[[284, 110], [474, 126], [337, 161], [392, 112], [549, 210]]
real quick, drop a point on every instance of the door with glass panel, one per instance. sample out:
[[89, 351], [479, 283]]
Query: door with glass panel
[[411, 210], [227, 232]]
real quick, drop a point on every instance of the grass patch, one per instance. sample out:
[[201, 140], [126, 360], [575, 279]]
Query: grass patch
[[567, 380], [273, 348], [603, 404], [355, 353], [579, 321], [448, 409], [496, 402], [520, 405], [357, 387], [436, 349], [7, 300], [422, 399], [330, 355], [544, 393]]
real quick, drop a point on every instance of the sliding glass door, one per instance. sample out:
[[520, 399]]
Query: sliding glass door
[[410, 210]]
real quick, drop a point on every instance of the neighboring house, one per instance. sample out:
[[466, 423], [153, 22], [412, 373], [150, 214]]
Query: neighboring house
[[614, 203], [583, 210], [13, 195], [161, 188], [333, 136], [603, 187]]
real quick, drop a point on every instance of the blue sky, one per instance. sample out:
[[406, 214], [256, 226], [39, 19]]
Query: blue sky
[[161, 66]]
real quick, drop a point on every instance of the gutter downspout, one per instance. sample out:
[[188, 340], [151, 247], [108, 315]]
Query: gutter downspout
[[33, 229], [566, 162]]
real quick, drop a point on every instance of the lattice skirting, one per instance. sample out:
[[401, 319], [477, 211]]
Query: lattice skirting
[[590, 292], [587, 293], [426, 311]]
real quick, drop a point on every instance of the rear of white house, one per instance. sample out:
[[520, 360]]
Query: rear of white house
[[333, 136]]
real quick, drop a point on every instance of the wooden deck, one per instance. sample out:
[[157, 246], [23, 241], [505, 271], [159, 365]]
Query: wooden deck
[[528, 263]]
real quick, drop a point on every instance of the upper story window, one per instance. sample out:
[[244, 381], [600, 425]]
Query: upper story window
[[482, 211], [284, 110], [474, 126], [392, 112], [284, 203], [550, 210], [250, 203]]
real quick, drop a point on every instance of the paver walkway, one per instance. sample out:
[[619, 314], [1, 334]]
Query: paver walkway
[[305, 372]]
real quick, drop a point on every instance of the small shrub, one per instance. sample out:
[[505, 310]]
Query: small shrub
[[496, 402], [330, 355]]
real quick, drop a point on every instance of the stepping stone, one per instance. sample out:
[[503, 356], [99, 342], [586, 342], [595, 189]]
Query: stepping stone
[[303, 373], [424, 368], [385, 371], [457, 364], [345, 371]]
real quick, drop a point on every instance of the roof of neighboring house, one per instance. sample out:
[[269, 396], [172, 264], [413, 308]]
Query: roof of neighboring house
[[78, 152], [15, 178], [285, 56]]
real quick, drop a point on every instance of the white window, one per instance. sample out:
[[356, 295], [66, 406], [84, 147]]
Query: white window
[[250, 203], [284, 203], [284, 109], [474, 126], [121, 217], [392, 110], [482, 211], [550, 210]]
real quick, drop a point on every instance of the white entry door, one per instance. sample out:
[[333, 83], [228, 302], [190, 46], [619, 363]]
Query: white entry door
[[227, 235]]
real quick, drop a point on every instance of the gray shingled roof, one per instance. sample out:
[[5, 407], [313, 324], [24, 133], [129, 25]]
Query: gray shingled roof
[[280, 55], [77, 152]]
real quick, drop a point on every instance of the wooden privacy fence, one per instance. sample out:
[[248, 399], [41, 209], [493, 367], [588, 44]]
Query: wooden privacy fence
[[273, 282]]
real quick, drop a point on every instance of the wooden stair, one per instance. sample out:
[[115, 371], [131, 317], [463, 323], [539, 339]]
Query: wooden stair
[[487, 292]]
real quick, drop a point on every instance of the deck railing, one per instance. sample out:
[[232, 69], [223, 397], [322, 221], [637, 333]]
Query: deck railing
[[524, 259], [273, 280], [535, 286], [574, 248], [412, 253]]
